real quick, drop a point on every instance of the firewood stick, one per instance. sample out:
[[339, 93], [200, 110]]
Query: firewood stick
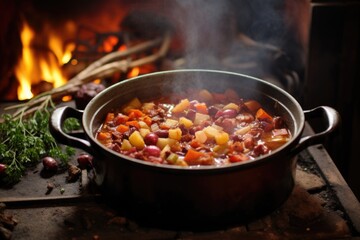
[[124, 65], [99, 69], [117, 55]]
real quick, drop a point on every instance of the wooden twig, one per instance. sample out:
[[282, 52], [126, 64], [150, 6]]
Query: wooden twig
[[111, 57]]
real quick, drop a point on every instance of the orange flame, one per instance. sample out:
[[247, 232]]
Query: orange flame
[[134, 72], [37, 65]]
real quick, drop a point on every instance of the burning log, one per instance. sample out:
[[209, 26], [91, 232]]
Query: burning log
[[104, 67]]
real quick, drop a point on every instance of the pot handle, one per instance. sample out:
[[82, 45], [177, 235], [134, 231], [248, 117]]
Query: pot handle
[[58, 116], [333, 120]]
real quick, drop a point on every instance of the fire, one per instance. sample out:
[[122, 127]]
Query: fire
[[38, 64], [26, 64], [134, 72], [45, 53]]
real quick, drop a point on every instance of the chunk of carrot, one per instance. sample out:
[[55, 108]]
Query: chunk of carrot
[[147, 120], [201, 108], [261, 114], [135, 113], [103, 136], [192, 155], [109, 117], [122, 128], [238, 158], [133, 123]]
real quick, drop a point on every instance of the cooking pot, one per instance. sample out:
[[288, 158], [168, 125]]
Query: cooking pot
[[202, 196]]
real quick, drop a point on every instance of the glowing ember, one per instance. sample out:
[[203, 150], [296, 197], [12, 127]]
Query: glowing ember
[[66, 98], [109, 43], [134, 72]]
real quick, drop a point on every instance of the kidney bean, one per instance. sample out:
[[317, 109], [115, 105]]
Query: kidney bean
[[226, 113], [151, 139], [267, 126], [191, 114], [192, 104], [279, 122], [249, 142], [228, 124], [236, 138], [245, 117], [260, 149], [162, 133], [212, 110], [151, 150]]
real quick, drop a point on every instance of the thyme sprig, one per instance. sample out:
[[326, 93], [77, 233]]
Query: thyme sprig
[[25, 140]]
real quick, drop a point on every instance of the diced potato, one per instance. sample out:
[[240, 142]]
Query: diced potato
[[133, 104], [144, 131], [143, 125], [186, 122], [211, 131], [137, 140], [222, 138], [126, 145], [154, 127], [148, 106], [205, 95], [162, 142], [232, 106], [169, 123], [252, 105], [200, 136], [199, 118], [165, 150], [181, 106], [181, 162], [172, 158], [221, 149], [217, 127], [175, 133]]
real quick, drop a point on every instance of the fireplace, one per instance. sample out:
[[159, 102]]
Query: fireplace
[[288, 43], [227, 35]]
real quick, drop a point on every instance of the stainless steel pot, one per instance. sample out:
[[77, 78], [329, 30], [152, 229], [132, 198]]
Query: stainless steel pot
[[206, 195]]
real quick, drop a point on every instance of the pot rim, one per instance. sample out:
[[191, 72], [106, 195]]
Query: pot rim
[[285, 149]]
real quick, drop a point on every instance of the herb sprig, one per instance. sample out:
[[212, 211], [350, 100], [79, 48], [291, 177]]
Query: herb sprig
[[25, 141]]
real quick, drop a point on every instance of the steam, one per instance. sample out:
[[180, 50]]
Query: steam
[[244, 36], [204, 30]]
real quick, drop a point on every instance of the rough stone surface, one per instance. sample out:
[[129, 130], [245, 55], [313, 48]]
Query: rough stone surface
[[309, 181]]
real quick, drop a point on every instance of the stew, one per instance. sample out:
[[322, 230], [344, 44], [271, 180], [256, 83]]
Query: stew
[[194, 128]]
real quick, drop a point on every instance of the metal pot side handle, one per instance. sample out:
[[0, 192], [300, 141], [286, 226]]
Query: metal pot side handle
[[57, 119], [333, 120]]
